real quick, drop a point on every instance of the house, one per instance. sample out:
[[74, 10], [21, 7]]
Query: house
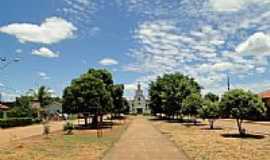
[[266, 99], [265, 96], [4, 108]]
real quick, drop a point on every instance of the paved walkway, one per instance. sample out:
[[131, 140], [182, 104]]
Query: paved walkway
[[142, 141], [17, 133]]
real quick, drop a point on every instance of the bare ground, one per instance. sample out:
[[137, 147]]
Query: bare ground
[[83, 144], [222, 143]]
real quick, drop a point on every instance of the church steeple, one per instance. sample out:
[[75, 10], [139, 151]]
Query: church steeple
[[139, 86], [139, 91]]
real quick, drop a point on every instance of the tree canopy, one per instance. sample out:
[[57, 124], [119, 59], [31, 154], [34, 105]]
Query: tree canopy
[[168, 92], [118, 101], [93, 92], [86, 94], [211, 111], [192, 104], [241, 105], [212, 97]]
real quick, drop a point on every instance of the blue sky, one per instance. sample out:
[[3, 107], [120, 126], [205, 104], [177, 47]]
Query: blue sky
[[136, 40]]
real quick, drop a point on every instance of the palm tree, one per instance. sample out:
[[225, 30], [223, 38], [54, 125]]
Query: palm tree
[[42, 94]]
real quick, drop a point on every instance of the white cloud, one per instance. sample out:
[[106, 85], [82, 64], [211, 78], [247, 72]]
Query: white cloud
[[260, 69], [226, 5], [45, 52], [1, 84], [108, 62], [233, 5], [256, 87], [43, 75], [52, 30], [18, 50], [257, 44], [9, 97]]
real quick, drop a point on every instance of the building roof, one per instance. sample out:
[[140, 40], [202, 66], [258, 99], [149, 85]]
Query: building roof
[[3, 107], [265, 94]]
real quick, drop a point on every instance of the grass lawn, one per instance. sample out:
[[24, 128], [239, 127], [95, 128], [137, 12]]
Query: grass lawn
[[200, 143], [82, 145]]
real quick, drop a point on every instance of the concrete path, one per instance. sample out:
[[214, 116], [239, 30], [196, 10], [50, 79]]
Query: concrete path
[[17, 133], [142, 141]]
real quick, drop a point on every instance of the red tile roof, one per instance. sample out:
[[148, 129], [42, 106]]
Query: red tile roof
[[3, 107], [265, 94]]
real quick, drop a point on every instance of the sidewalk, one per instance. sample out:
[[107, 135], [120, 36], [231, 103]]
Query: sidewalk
[[142, 141]]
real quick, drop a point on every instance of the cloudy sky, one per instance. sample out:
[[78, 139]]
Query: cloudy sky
[[137, 40]]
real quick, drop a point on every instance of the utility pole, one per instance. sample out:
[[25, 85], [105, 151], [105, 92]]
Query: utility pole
[[228, 82]]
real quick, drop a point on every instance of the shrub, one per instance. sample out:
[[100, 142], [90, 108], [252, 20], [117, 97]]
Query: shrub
[[68, 127], [46, 129], [17, 122]]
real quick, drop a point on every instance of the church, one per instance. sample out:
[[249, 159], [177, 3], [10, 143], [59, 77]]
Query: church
[[139, 104]]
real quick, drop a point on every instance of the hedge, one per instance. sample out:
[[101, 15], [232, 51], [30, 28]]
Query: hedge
[[17, 122]]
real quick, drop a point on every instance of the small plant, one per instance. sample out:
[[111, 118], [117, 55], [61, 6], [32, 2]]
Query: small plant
[[68, 127], [46, 129]]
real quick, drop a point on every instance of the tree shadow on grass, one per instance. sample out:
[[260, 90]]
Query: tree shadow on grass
[[198, 124], [246, 136], [156, 119], [104, 125], [185, 122], [213, 129]]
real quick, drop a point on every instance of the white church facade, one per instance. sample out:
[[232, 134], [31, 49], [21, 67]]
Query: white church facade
[[139, 104]]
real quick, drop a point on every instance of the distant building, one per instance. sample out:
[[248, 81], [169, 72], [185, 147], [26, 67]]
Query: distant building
[[54, 108], [265, 96], [266, 99], [3, 109], [139, 104]]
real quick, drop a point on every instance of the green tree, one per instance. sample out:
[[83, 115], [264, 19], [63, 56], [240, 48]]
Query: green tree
[[118, 100], [192, 104], [212, 97], [241, 105], [211, 111], [155, 98], [22, 107], [126, 105], [88, 94], [169, 91]]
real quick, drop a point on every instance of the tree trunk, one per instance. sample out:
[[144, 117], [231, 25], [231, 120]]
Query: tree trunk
[[240, 129], [195, 121], [211, 123], [85, 120], [95, 121]]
